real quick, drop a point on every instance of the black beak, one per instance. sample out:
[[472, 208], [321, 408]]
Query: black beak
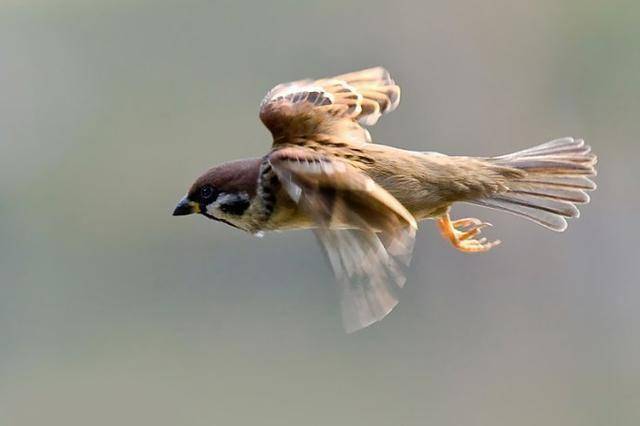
[[184, 207]]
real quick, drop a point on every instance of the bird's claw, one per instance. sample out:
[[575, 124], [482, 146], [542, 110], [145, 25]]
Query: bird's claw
[[467, 228], [461, 233]]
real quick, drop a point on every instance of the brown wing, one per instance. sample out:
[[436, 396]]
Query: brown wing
[[366, 233], [329, 109]]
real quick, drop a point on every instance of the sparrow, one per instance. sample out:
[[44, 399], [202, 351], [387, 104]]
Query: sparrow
[[363, 200]]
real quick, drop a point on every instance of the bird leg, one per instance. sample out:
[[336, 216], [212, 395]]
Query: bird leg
[[461, 232]]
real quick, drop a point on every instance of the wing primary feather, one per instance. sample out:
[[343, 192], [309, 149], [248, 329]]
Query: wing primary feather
[[305, 108]]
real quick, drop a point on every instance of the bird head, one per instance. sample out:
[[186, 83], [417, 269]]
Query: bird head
[[223, 193]]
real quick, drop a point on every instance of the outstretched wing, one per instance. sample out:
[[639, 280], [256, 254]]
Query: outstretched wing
[[366, 233], [329, 109]]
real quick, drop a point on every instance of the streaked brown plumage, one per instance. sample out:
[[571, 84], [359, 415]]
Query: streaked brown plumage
[[364, 200]]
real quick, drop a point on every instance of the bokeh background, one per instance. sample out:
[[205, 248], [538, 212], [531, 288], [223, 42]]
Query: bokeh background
[[114, 312]]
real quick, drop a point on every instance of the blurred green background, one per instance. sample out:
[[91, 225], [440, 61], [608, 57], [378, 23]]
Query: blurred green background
[[114, 312]]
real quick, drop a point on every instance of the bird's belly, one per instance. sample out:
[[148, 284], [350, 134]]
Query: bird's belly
[[287, 215], [430, 213]]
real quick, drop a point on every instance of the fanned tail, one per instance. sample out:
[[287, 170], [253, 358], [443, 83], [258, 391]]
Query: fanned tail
[[554, 178]]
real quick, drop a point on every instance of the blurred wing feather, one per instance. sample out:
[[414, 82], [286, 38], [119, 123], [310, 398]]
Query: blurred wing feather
[[366, 233]]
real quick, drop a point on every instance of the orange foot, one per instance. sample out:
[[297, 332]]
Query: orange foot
[[461, 232]]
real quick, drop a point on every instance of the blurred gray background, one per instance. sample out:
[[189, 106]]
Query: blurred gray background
[[114, 312]]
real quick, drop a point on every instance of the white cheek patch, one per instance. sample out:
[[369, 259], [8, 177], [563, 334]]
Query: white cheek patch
[[213, 209]]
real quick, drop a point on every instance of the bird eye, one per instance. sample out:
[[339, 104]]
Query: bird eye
[[206, 192]]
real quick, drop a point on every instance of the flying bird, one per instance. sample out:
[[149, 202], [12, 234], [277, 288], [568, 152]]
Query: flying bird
[[363, 200]]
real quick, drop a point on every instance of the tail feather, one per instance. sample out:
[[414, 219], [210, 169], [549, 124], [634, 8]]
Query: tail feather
[[556, 176], [553, 165], [570, 182], [556, 146], [559, 207], [549, 191], [541, 217]]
